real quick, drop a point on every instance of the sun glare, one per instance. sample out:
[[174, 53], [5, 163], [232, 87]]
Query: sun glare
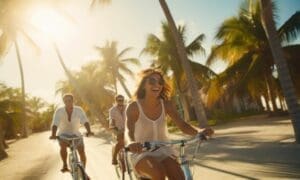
[[50, 23]]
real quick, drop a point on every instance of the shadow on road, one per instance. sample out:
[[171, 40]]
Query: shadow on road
[[225, 171], [267, 151]]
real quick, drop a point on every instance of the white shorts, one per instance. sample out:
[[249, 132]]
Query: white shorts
[[160, 154]]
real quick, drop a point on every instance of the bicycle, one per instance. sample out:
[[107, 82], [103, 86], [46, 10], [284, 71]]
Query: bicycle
[[124, 166], [77, 168], [184, 162]]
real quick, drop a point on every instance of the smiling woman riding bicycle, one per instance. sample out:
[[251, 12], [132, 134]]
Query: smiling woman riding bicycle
[[146, 122]]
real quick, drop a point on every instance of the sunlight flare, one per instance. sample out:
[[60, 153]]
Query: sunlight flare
[[50, 23]]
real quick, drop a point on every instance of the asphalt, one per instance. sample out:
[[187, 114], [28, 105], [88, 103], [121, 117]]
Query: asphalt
[[258, 147]]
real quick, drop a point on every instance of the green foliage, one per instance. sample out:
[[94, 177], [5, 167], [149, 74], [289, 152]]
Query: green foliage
[[39, 113], [243, 45]]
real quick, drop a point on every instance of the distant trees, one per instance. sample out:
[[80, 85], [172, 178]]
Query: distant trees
[[116, 64], [243, 45], [39, 114]]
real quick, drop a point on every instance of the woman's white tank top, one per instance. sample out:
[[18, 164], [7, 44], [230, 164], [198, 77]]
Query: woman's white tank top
[[147, 129]]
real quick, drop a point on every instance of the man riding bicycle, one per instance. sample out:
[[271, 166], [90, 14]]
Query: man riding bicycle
[[117, 125], [67, 120]]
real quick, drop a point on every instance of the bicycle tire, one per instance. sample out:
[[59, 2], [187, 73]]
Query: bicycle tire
[[80, 173]]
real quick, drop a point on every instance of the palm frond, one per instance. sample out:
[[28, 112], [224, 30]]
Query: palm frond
[[196, 46], [153, 44], [5, 44], [123, 52], [134, 61], [33, 45]]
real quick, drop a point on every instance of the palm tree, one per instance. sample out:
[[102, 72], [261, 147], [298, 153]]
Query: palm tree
[[81, 91], [12, 23], [281, 64], [9, 106], [199, 109], [167, 59], [116, 64], [36, 106], [244, 46], [3, 116]]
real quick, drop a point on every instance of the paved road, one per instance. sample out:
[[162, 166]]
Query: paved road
[[37, 158], [256, 148]]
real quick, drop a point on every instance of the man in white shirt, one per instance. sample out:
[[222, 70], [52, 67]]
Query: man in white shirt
[[117, 125], [67, 120]]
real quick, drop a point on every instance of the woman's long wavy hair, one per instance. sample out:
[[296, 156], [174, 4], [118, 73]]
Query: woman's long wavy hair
[[144, 75]]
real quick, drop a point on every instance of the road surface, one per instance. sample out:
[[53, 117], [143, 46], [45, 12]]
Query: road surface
[[256, 148]]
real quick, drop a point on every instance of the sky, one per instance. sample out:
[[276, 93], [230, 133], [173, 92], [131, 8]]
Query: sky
[[126, 21]]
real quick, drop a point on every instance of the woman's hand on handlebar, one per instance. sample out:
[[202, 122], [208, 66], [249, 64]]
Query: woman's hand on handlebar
[[208, 131]]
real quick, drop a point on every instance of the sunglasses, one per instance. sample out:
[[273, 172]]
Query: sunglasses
[[120, 100], [153, 81], [68, 100]]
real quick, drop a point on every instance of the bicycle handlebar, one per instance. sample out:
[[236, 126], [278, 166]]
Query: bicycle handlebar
[[154, 144], [68, 138]]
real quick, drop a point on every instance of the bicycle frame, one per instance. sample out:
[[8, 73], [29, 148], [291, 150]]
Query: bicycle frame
[[183, 161], [74, 162]]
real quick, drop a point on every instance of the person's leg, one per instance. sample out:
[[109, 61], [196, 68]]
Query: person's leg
[[82, 155], [173, 170], [114, 155], [151, 167], [63, 155], [118, 146]]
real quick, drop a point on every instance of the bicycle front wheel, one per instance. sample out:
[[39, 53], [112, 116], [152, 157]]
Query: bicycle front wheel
[[187, 172], [79, 173]]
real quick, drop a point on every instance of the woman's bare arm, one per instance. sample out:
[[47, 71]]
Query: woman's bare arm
[[183, 126], [132, 114]]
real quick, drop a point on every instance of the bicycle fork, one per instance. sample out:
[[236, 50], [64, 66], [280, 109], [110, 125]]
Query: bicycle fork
[[184, 164]]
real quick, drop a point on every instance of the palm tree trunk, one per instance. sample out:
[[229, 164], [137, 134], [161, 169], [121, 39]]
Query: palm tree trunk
[[266, 99], [23, 111], [115, 85], [183, 101], [3, 154], [80, 91], [259, 103], [283, 71], [271, 94], [124, 87], [199, 109]]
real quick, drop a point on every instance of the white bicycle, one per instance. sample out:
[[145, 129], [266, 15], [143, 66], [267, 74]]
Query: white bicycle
[[77, 168], [184, 161]]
